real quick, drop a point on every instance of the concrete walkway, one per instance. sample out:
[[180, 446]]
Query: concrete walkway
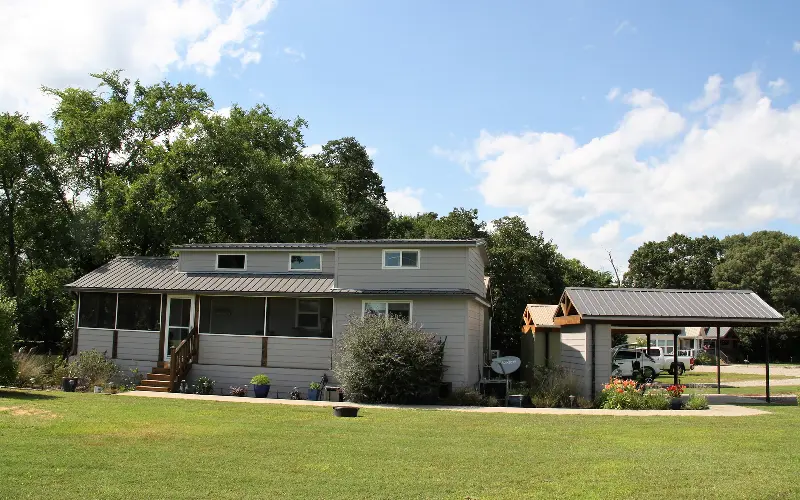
[[713, 411]]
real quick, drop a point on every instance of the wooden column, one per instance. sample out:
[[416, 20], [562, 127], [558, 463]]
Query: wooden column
[[163, 328], [719, 385], [547, 349], [114, 342], [675, 359], [74, 349], [196, 327], [766, 360], [264, 342]]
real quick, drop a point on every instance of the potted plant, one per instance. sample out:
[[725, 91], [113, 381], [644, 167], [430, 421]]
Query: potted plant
[[313, 391], [260, 385], [675, 391]]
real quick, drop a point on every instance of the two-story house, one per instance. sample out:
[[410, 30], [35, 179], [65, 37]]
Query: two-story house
[[231, 310]]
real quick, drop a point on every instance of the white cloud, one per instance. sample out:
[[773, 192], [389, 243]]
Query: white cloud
[[297, 55], [406, 201], [735, 169], [372, 152], [313, 149], [712, 91], [612, 94], [796, 46], [625, 26], [778, 87], [58, 44]]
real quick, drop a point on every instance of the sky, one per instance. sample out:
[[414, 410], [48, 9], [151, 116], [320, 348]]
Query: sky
[[602, 124]]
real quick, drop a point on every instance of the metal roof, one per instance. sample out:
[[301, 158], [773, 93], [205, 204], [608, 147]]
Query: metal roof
[[249, 246], [411, 241], [542, 314], [404, 291], [726, 306], [161, 274]]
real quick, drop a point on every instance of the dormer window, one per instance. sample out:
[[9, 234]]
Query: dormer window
[[305, 262], [401, 259], [231, 262]]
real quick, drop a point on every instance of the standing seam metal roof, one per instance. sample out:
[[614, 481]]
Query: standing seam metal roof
[[654, 303]]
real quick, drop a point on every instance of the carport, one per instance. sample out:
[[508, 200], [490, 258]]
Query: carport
[[588, 315]]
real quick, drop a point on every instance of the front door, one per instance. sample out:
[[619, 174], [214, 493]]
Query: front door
[[180, 318]]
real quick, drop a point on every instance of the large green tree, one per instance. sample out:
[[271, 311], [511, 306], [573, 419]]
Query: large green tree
[[460, 223], [677, 262], [8, 372]]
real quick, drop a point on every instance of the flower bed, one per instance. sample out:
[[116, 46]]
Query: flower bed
[[621, 394]]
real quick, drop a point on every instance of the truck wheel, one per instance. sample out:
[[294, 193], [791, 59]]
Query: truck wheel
[[681, 369], [649, 373]]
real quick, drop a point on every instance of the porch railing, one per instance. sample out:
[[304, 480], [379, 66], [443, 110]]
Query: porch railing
[[181, 359]]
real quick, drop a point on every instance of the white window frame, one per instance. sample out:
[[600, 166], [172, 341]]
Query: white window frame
[[387, 302], [400, 250], [297, 314], [229, 269], [305, 255]]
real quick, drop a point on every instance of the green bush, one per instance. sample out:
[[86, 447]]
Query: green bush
[[552, 387], [465, 396], [388, 360], [93, 368], [260, 379], [656, 399], [697, 402], [705, 358], [204, 385], [8, 368]]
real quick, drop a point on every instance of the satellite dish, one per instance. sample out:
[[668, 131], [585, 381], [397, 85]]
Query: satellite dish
[[506, 364]]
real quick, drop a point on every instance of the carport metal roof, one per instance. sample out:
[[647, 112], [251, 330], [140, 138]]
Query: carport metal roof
[[660, 307]]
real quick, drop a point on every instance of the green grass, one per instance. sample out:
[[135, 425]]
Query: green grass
[[57, 445], [693, 377], [774, 390]]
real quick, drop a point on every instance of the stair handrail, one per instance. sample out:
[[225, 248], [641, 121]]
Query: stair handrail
[[182, 357]]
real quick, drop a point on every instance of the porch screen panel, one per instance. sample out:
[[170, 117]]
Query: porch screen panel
[[232, 315], [138, 311], [97, 310]]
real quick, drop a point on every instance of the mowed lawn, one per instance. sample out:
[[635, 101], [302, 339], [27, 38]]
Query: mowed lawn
[[56, 445], [694, 377]]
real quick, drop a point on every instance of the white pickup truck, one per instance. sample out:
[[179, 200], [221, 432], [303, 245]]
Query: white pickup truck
[[625, 360], [667, 361]]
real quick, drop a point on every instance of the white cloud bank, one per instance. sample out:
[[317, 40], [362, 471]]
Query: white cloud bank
[[735, 168], [59, 43], [406, 201]]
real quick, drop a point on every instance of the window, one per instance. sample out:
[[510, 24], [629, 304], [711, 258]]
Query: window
[[305, 262], [229, 262], [232, 315], [400, 310], [307, 313], [623, 354], [137, 311], [97, 310], [401, 259]]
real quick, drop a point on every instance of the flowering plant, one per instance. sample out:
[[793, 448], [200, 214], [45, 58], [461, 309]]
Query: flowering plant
[[621, 394], [676, 390]]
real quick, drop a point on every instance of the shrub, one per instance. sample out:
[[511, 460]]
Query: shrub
[[465, 396], [552, 387], [656, 399], [388, 360], [621, 395], [204, 385], [30, 368], [697, 402], [93, 368], [315, 386], [704, 358], [676, 391], [260, 379], [238, 391], [8, 369]]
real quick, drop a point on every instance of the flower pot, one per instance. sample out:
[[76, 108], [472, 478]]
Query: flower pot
[[68, 384], [261, 391], [676, 404], [313, 394], [345, 411], [98, 389]]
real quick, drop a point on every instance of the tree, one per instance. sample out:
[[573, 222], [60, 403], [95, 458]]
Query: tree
[[577, 274], [460, 223], [8, 370], [359, 189], [45, 309], [677, 262], [410, 226]]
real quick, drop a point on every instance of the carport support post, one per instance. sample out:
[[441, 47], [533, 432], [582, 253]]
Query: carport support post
[[675, 359], [594, 359], [766, 346], [719, 386], [648, 343]]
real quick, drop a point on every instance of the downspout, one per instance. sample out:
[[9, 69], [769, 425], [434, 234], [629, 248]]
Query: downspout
[[593, 392]]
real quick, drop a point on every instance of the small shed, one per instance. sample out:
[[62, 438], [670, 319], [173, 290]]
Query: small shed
[[587, 315], [541, 339]]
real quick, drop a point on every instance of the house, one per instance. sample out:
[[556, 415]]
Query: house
[[228, 311], [541, 339]]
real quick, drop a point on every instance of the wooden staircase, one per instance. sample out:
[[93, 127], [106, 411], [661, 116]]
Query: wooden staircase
[[157, 380]]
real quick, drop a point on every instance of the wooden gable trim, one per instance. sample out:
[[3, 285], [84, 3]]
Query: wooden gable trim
[[566, 313]]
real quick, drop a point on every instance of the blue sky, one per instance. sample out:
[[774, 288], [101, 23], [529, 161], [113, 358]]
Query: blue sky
[[508, 107]]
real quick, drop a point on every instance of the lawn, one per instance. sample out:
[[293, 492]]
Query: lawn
[[775, 390], [693, 377], [57, 445]]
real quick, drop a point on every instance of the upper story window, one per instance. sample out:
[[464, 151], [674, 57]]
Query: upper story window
[[401, 259], [393, 308], [231, 262], [305, 262]]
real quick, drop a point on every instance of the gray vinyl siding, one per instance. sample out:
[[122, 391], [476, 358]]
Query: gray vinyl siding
[[476, 316], [443, 316], [439, 267], [258, 261], [139, 346], [475, 272], [240, 350], [576, 354], [100, 339], [286, 352], [143, 367], [282, 380]]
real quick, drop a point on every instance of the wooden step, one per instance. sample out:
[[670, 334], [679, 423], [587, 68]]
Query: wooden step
[[157, 376], [148, 388], [161, 371], [155, 383], [163, 364]]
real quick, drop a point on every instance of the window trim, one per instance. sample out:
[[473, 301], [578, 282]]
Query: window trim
[[297, 314], [401, 250], [387, 302], [304, 254], [229, 269]]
